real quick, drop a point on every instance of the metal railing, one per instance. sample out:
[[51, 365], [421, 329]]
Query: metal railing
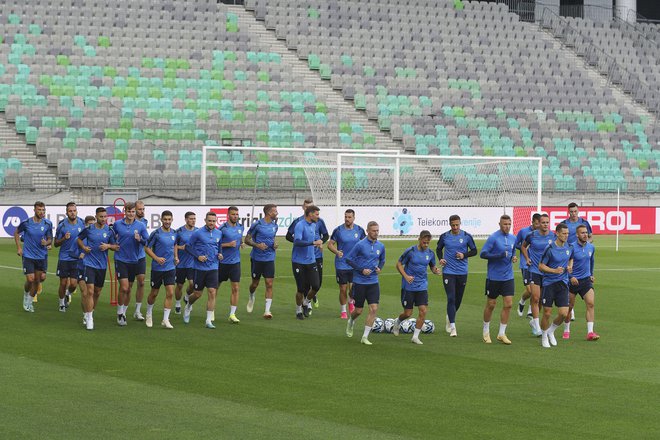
[[601, 61]]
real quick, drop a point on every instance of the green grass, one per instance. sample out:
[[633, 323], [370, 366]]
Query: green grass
[[290, 379]]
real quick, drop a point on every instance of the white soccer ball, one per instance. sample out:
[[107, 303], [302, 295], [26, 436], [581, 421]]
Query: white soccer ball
[[408, 326], [378, 326], [428, 326], [388, 325]]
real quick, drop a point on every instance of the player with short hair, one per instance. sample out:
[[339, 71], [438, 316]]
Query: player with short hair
[[342, 240], [37, 234], [204, 246], [581, 281], [303, 261], [261, 237], [229, 268], [67, 265], [412, 266], [321, 234], [141, 264], [131, 235], [161, 247], [79, 255], [185, 269], [532, 249], [556, 263], [524, 269], [95, 240], [573, 221], [367, 258], [500, 251], [454, 248]]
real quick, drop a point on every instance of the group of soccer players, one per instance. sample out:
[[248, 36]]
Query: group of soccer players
[[556, 266]]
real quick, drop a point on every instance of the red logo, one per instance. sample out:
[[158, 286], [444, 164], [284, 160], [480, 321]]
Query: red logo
[[222, 215], [606, 220]]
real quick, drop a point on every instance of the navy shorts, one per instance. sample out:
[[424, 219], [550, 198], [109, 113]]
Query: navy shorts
[[411, 299], [584, 286], [307, 277], [94, 276], [525, 276], [454, 283], [31, 265], [319, 268], [264, 269], [125, 270], [231, 272], [161, 277], [366, 292], [344, 276], [500, 288], [183, 274], [206, 278], [81, 271], [556, 293], [67, 269], [535, 279], [142, 266]]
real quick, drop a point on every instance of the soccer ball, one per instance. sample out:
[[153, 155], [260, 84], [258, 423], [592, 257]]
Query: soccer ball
[[378, 326], [428, 327], [388, 325], [408, 326]]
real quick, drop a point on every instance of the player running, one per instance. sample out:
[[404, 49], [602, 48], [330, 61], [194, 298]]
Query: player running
[[573, 221], [342, 240], [412, 266], [500, 251], [185, 269], [79, 255], [303, 261], [261, 237], [524, 269], [141, 265], [67, 264], [37, 235], [454, 248], [229, 268]]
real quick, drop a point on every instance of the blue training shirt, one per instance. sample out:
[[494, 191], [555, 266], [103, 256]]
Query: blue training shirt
[[33, 232], [321, 234], [555, 256], [537, 244], [231, 255], [162, 244], [415, 263], [499, 250], [303, 248], [520, 239], [583, 260], [451, 244], [183, 235], [366, 254], [69, 247], [129, 248], [141, 253], [346, 239], [572, 227], [263, 232], [205, 242], [95, 237]]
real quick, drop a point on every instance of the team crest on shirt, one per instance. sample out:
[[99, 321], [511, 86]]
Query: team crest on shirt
[[590, 254], [217, 240], [105, 235], [568, 252], [273, 228], [549, 241], [460, 240], [378, 252], [42, 228], [356, 235], [173, 238], [79, 229], [427, 257]]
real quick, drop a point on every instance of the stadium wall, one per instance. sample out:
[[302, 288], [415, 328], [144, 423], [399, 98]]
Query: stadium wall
[[393, 221]]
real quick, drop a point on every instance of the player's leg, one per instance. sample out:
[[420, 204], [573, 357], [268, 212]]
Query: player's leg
[[180, 279], [527, 293], [319, 267], [536, 288], [373, 298], [314, 280], [507, 304], [39, 276], [235, 289], [198, 287], [449, 282], [359, 291], [299, 276], [567, 321], [351, 300], [167, 306], [269, 298], [421, 301], [407, 302], [491, 302], [343, 299], [589, 301], [461, 282], [63, 287], [141, 270], [210, 306], [73, 286], [151, 299]]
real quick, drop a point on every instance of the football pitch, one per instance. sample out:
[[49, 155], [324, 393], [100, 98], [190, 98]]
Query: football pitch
[[291, 379]]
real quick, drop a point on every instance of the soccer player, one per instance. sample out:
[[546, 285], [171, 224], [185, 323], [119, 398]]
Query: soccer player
[[204, 246], [67, 265], [321, 234], [131, 236], [141, 265], [532, 249], [261, 237], [556, 263], [524, 269], [342, 240], [303, 261], [581, 281], [161, 247], [79, 255], [500, 251], [573, 221], [412, 266], [229, 268], [367, 259], [37, 234], [95, 240], [185, 269], [454, 248]]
